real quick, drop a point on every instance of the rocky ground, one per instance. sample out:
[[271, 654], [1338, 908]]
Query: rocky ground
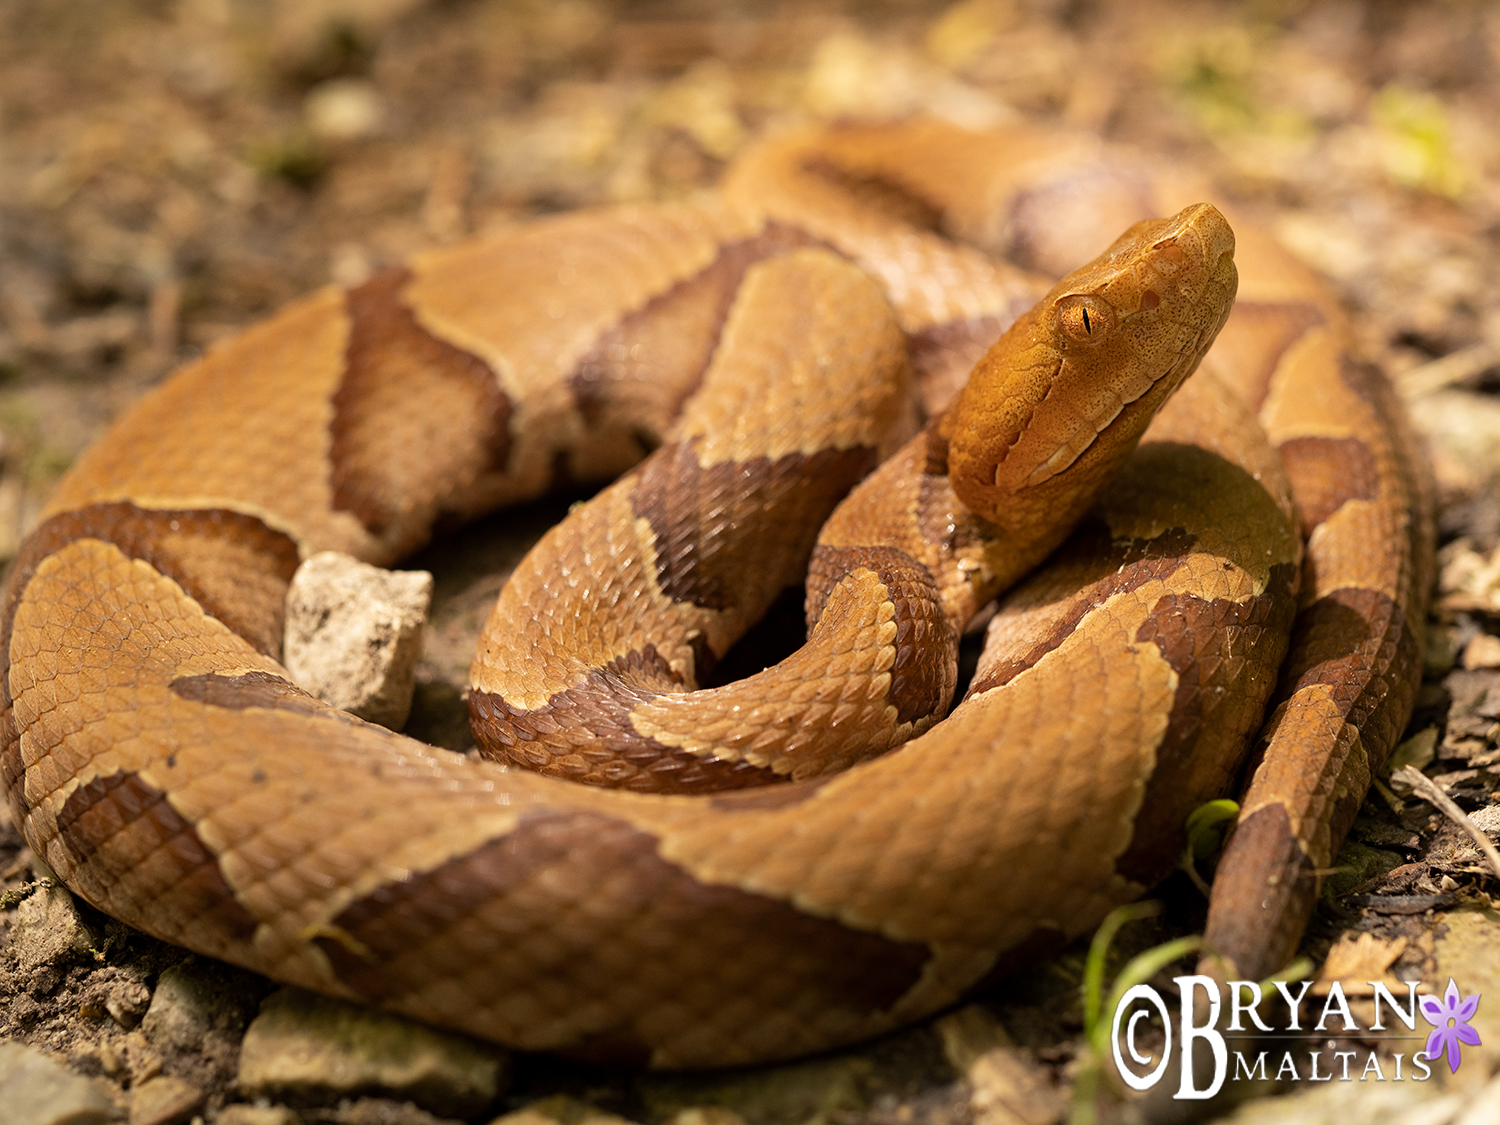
[[171, 171]]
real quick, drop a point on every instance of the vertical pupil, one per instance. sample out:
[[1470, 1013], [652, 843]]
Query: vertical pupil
[[1086, 326]]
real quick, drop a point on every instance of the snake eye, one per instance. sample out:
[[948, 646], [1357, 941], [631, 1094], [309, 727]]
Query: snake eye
[[1085, 319]]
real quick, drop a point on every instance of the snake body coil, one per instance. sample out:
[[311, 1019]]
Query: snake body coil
[[161, 762]]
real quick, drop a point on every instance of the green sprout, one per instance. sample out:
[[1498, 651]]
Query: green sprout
[[1098, 1007], [1206, 826]]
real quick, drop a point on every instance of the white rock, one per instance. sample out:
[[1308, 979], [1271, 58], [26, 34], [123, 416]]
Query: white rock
[[353, 634], [311, 1049], [37, 1089], [50, 929]]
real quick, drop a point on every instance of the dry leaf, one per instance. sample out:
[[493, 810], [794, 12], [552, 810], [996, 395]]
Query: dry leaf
[[1356, 960]]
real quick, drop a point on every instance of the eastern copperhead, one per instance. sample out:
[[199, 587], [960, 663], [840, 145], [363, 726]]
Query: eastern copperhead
[[158, 759]]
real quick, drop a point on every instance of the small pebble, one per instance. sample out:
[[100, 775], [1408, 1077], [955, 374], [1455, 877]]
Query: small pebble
[[968, 1033], [258, 1115], [37, 1089], [801, 1091], [1009, 1087], [165, 1101], [197, 1000], [560, 1109], [127, 1002], [314, 1050], [110, 1061], [142, 1060], [704, 1115]]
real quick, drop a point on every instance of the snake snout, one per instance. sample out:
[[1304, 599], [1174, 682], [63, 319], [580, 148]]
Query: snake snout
[[1199, 231], [1191, 259]]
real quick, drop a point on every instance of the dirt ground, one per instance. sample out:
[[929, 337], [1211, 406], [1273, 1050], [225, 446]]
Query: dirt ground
[[173, 171]]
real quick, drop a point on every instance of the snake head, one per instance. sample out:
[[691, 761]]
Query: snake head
[[1057, 404]]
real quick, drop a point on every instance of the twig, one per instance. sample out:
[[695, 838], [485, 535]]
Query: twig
[[1450, 369], [1428, 790], [1395, 803]]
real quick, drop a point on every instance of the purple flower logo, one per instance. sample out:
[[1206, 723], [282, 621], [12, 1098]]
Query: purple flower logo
[[1450, 1018]]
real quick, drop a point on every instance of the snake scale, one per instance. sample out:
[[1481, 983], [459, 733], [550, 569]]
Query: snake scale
[[719, 894]]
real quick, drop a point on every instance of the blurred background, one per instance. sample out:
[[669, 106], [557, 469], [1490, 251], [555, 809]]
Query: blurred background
[[172, 169]]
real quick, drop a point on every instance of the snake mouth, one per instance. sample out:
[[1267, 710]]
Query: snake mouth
[[1187, 258], [1181, 365]]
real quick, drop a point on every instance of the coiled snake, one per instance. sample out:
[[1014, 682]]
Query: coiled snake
[[161, 762]]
